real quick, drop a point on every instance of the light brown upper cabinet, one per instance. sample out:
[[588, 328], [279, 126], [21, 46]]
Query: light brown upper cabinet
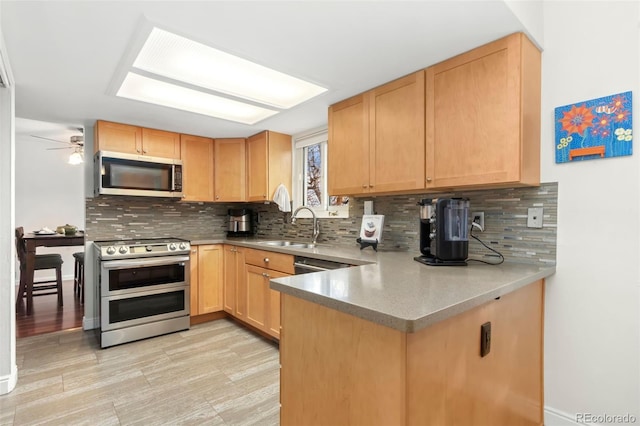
[[136, 140], [197, 168], [117, 137], [230, 169], [348, 146], [376, 139], [483, 117], [158, 143], [268, 164]]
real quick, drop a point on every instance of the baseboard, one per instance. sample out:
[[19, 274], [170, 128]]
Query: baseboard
[[90, 323], [553, 417], [8, 383]]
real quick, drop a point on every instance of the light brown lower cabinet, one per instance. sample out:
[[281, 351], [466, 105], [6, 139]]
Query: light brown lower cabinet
[[206, 279], [263, 304], [234, 276], [338, 369]]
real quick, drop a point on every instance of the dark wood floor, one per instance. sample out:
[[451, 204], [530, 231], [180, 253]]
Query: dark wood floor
[[47, 317]]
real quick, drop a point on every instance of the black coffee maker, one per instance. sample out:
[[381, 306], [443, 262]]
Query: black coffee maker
[[444, 231]]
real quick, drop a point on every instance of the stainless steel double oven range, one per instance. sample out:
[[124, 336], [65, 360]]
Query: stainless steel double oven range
[[142, 290]]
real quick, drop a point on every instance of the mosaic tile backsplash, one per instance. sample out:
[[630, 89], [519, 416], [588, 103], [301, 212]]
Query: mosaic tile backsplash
[[115, 217]]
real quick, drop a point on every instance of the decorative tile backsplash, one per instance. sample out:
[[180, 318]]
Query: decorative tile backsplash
[[122, 217], [115, 217]]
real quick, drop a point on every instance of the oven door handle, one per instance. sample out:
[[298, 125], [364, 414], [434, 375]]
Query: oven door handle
[[141, 263]]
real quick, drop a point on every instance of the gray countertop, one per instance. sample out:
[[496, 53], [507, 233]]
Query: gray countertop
[[392, 289]]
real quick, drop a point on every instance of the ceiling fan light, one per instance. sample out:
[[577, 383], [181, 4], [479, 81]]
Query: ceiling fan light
[[76, 158]]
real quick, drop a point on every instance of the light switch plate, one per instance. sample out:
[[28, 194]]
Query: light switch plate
[[368, 207], [534, 217]]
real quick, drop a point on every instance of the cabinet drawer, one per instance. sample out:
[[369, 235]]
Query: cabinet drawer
[[270, 260]]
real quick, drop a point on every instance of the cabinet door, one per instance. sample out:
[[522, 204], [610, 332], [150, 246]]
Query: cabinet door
[[230, 169], [348, 147], [274, 305], [397, 135], [230, 275], [268, 164], [257, 167], [197, 168], [158, 143], [193, 281], [241, 284], [210, 276], [257, 293], [118, 137], [474, 115]]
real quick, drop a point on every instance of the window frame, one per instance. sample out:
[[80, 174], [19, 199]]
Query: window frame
[[299, 143]]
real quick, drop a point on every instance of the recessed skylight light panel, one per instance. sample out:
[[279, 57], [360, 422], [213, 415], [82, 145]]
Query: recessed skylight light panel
[[179, 58]]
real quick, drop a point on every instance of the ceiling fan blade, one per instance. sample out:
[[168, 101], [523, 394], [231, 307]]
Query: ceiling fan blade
[[66, 147], [49, 139]]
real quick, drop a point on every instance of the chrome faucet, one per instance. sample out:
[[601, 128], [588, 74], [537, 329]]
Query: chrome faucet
[[316, 226]]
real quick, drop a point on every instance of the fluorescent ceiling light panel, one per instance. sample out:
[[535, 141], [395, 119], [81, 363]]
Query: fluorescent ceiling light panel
[[158, 92], [185, 60]]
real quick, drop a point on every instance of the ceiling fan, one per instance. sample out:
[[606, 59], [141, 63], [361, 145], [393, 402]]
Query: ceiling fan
[[75, 142]]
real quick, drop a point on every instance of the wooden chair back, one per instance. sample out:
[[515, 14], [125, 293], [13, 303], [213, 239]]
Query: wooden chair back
[[21, 248]]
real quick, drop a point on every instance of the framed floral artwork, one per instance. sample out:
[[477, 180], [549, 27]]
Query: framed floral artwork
[[598, 128]]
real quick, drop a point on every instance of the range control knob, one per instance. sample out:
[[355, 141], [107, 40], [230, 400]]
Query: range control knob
[[183, 246], [111, 250], [148, 248], [172, 246], [123, 250]]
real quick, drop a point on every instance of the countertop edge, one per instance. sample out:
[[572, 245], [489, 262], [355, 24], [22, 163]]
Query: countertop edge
[[403, 324], [411, 325]]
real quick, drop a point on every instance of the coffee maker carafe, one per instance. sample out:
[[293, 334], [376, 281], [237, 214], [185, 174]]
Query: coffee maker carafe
[[240, 223], [444, 231]]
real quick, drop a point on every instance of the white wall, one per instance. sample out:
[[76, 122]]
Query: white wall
[[592, 324], [8, 368], [49, 191]]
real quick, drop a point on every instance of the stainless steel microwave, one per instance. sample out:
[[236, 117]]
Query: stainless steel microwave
[[138, 175]]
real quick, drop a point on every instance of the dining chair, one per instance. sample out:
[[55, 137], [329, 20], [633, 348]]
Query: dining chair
[[42, 261], [78, 275]]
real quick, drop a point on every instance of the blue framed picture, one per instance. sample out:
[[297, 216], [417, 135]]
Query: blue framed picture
[[599, 128]]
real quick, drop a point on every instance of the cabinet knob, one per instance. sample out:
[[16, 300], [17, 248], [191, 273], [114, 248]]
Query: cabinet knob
[[264, 274], [370, 186], [264, 195], [144, 152], [138, 151], [364, 185], [217, 197], [428, 179], [266, 260], [194, 251]]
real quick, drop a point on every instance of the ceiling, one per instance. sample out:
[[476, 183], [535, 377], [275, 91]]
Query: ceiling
[[64, 54]]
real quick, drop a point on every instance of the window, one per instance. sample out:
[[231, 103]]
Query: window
[[310, 176]]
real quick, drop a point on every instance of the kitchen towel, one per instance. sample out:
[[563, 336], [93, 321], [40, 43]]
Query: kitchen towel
[[282, 199]]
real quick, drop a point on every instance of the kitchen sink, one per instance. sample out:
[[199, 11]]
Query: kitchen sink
[[291, 244]]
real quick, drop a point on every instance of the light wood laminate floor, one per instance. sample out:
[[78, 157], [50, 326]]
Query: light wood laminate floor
[[217, 373]]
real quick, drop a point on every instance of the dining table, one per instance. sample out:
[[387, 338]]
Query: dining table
[[32, 241]]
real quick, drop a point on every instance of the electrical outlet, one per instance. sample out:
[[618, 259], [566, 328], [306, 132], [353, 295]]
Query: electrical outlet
[[478, 217], [534, 217]]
